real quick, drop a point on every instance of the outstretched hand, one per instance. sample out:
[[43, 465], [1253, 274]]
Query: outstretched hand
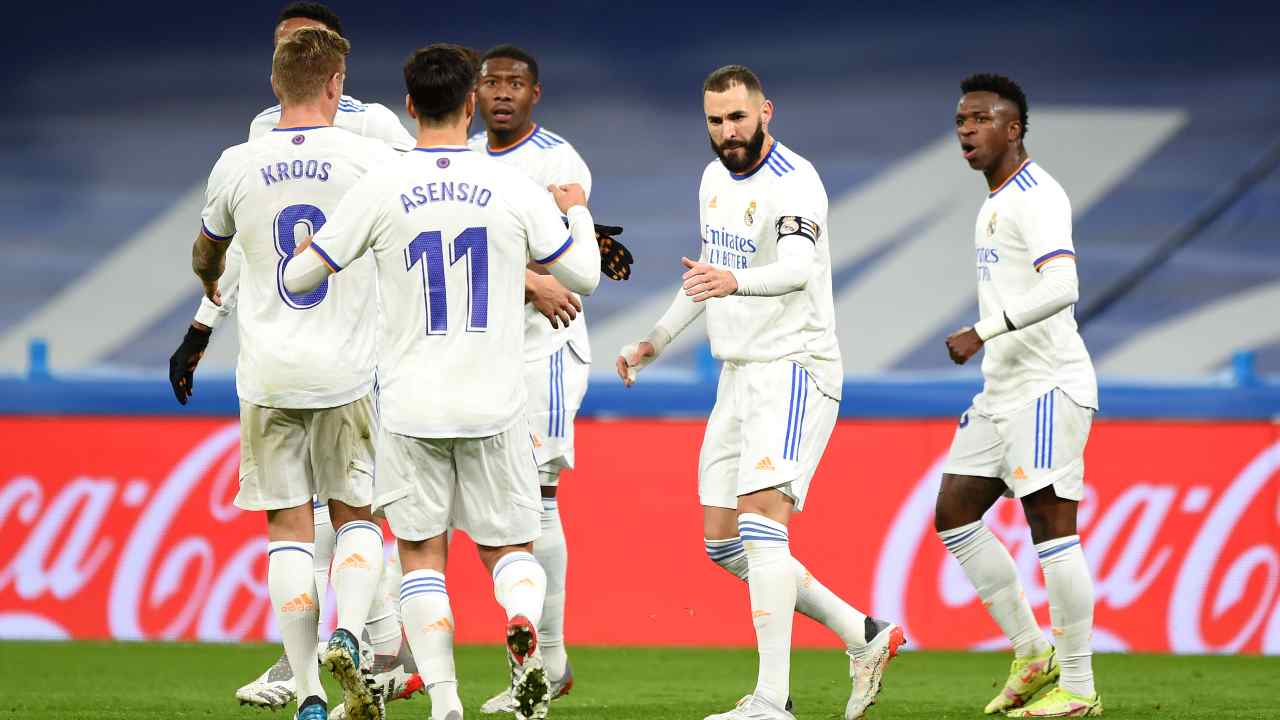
[[703, 281]]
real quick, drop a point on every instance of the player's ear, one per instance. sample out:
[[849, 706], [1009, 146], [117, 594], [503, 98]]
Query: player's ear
[[537, 92], [766, 113], [275, 89], [408, 106]]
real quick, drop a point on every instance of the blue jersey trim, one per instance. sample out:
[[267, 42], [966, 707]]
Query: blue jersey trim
[[556, 255], [443, 149], [213, 235], [512, 148], [300, 129]]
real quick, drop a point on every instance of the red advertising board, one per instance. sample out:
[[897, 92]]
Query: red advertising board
[[124, 527]]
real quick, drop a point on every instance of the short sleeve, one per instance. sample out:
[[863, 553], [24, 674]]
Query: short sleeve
[[217, 219], [546, 234], [354, 226], [383, 124], [1045, 224]]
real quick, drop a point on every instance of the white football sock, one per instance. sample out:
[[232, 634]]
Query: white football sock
[[324, 551], [990, 569], [357, 566], [383, 625], [428, 624], [553, 555], [291, 585], [520, 586], [813, 599], [772, 584], [1070, 587]]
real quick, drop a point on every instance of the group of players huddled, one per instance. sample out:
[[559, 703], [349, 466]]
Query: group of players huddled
[[414, 300]]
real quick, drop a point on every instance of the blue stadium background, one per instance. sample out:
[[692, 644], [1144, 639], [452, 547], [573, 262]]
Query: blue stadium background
[[1148, 114]]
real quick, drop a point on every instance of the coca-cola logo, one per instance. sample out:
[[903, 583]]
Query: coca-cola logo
[[173, 558], [1205, 558]]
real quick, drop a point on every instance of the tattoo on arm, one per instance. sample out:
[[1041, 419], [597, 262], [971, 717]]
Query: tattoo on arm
[[208, 258]]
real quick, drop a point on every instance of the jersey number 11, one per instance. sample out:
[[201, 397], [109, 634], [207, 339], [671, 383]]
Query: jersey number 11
[[428, 251]]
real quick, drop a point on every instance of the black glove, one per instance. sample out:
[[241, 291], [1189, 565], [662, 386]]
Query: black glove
[[615, 258], [182, 364]]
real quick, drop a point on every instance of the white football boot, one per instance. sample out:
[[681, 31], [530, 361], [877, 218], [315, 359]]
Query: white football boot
[[754, 707], [866, 670], [273, 689]]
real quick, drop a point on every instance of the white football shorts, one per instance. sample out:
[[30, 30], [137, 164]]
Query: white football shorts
[[287, 456], [556, 386], [768, 429], [1034, 447], [487, 487]]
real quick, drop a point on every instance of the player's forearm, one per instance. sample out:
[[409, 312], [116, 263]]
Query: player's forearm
[[1057, 290], [578, 267], [681, 313], [303, 273], [789, 273], [207, 258]]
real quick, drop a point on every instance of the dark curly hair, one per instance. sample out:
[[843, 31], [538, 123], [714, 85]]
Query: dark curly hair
[[511, 52], [1002, 86], [312, 11]]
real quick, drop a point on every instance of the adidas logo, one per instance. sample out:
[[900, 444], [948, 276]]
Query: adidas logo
[[765, 464], [300, 604], [526, 582], [1019, 473], [441, 625], [354, 561], [756, 614]]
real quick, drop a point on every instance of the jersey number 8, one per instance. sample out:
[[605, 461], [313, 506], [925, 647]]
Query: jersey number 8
[[286, 225]]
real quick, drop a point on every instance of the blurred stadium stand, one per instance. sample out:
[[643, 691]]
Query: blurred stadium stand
[[1146, 114]]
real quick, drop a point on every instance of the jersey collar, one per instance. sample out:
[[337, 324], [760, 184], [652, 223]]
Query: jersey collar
[[760, 165], [443, 148], [300, 129], [1009, 179], [513, 146]]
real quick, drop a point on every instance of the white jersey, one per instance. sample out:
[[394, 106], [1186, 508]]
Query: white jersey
[[739, 218], [313, 350], [1025, 223], [369, 120], [547, 159], [451, 232]]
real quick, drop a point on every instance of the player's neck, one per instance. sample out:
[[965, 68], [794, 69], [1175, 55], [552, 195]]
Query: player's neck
[[500, 140], [1005, 169], [299, 116], [437, 136]]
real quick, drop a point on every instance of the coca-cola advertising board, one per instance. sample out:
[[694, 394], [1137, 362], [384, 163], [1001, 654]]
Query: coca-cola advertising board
[[124, 528]]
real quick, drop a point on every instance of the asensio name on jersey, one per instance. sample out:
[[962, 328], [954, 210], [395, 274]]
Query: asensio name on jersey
[[548, 159], [739, 216], [451, 232], [310, 350]]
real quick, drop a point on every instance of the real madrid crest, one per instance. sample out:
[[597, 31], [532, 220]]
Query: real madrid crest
[[991, 224], [750, 216]]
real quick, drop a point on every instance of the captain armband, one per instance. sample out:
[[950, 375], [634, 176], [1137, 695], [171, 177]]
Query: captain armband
[[796, 225]]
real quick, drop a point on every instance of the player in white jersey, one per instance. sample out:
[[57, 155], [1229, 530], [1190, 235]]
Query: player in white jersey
[[1025, 434], [451, 232], [392, 665], [305, 371], [557, 354], [764, 281]]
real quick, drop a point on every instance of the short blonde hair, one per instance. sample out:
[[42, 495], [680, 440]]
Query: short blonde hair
[[305, 60]]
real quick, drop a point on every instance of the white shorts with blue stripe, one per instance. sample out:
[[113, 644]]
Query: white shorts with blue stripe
[[1039, 445], [768, 429], [556, 386]]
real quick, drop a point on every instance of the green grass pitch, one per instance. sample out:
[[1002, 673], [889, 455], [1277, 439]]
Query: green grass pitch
[[119, 681]]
